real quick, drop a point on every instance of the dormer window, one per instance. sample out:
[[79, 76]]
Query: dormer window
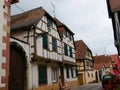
[[65, 32], [49, 24], [69, 36]]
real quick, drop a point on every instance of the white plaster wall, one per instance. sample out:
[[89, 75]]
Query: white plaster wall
[[97, 75], [34, 74], [87, 79], [48, 53], [68, 58], [70, 78], [49, 75]]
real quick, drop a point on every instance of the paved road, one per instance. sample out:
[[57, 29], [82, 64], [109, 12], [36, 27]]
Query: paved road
[[96, 86]]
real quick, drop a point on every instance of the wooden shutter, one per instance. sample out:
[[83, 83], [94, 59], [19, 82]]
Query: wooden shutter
[[45, 41], [72, 72], [54, 44], [65, 49], [67, 72], [71, 54], [42, 75]]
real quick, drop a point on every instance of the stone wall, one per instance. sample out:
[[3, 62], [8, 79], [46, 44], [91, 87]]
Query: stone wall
[[4, 43]]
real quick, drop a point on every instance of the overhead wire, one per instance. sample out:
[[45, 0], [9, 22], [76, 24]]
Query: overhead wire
[[21, 9]]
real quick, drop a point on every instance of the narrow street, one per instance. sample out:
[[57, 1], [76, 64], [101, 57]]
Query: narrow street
[[95, 86]]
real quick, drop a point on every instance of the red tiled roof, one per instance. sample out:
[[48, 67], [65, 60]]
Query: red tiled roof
[[61, 27], [81, 49], [114, 58], [115, 5], [100, 60], [27, 18], [14, 1]]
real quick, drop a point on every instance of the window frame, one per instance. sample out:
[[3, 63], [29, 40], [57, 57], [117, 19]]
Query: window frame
[[65, 32], [72, 72], [54, 44], [54, 75], [39, 74], [71, 53], [45, 41], [65, 49], [67, 73]]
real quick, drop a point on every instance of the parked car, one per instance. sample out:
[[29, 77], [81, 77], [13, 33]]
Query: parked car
[[107, 81], [110, 82]]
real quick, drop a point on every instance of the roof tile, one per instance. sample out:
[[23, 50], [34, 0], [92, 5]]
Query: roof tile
[[115, 5], [81, 49], [27, 18], [100, 60]]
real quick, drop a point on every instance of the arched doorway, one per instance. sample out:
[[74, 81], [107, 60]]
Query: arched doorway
[[96, 75], [17, 77]]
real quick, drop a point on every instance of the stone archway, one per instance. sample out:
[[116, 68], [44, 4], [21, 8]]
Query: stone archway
[[17, 77]]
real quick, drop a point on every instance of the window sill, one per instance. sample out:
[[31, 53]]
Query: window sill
[[54, 82]]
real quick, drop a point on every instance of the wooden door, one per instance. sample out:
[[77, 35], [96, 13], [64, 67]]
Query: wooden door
[[17, 70], [80, 78]]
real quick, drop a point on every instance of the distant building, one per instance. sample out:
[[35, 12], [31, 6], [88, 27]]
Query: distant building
[[116, 64], [114, 58], [4, 42], [44, 59], [114, 14], [103, 63], [85, 62]]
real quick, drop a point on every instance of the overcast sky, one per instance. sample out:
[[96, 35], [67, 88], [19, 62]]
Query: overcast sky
[[88, 19]]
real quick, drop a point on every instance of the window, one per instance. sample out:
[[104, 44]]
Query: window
[[71, 54], [91, 75], [65, 49], [54, 75], [45, 41], [67, 72], [87, 63], [42, 74], [88, 75], [54, 44], [69, 36], [72, 72], [65, 32], [49, 23], [76, 72]]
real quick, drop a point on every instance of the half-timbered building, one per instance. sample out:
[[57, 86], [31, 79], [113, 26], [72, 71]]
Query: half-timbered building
[[68, 69], [36, 52], [36, 41], [104, 64], [114, 13], [85, 62]]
